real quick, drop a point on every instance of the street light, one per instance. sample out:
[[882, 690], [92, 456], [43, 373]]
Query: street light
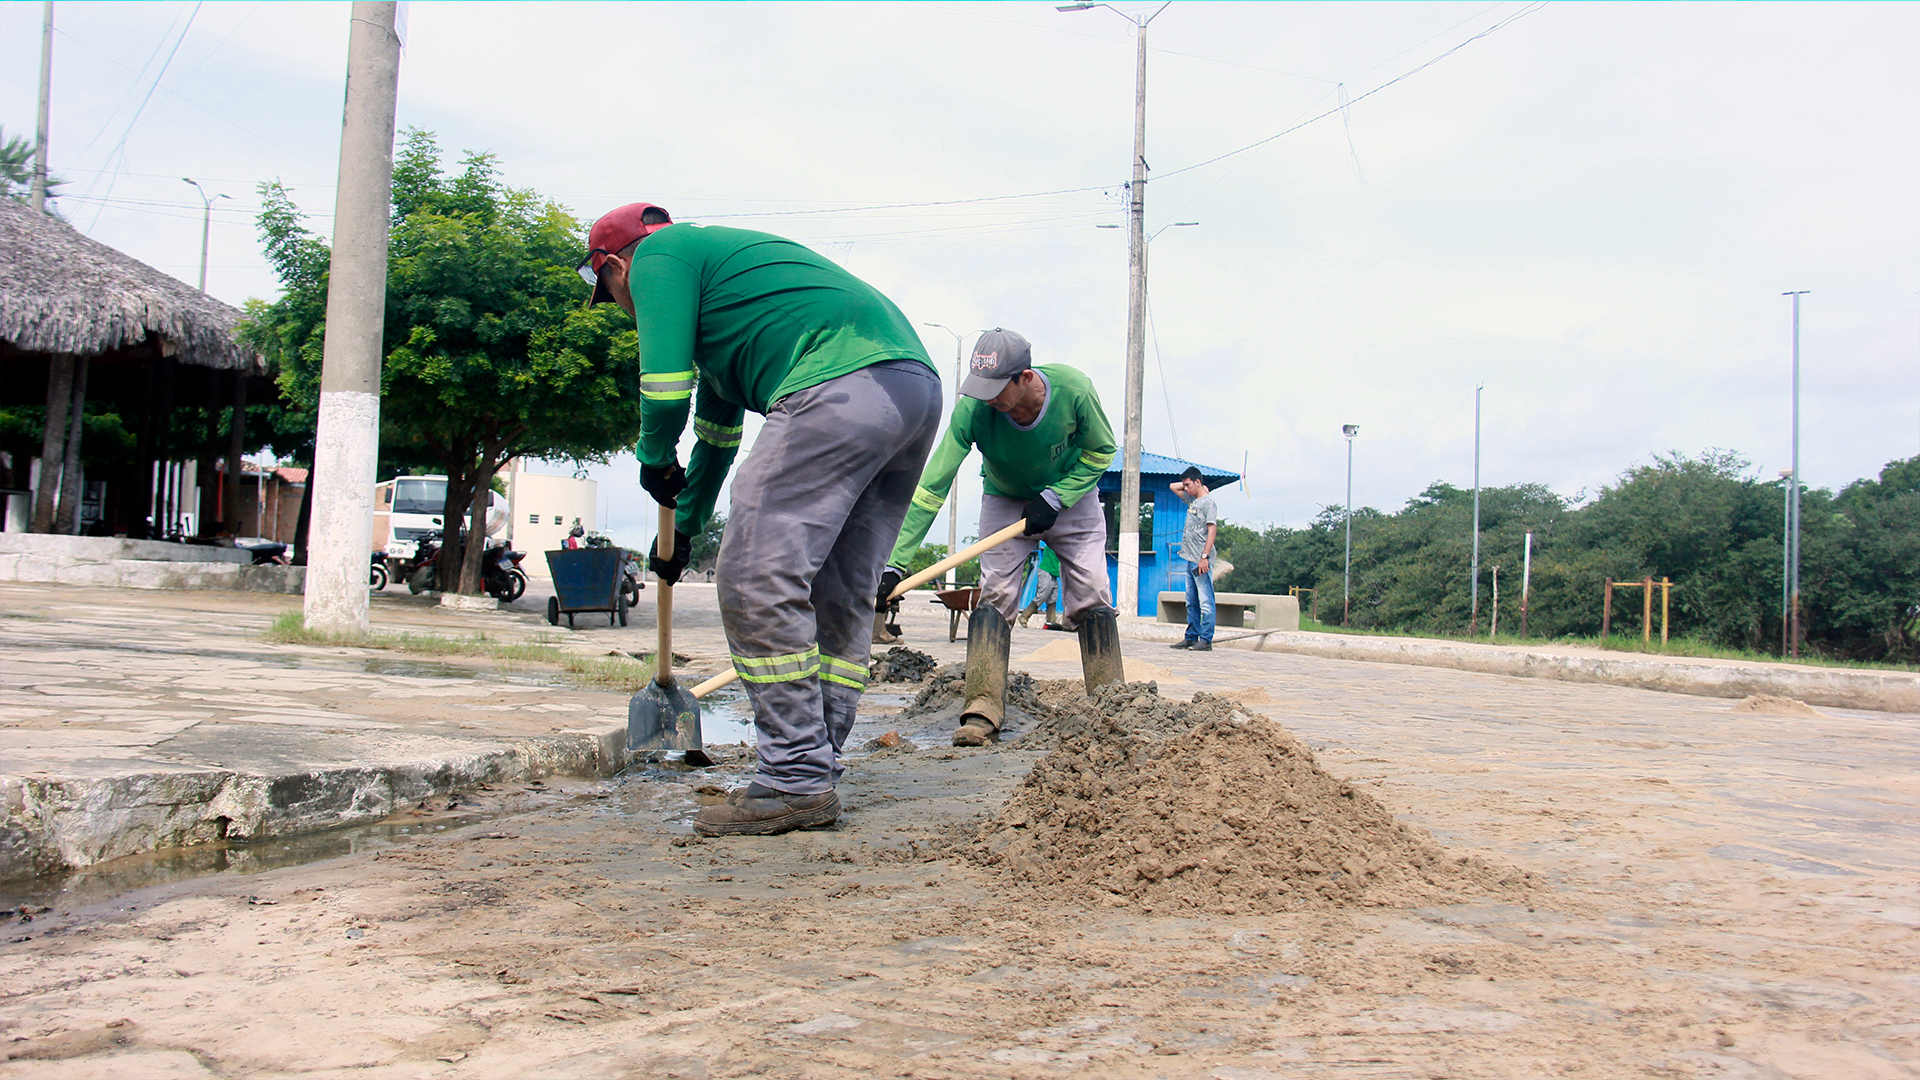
[[1793, 519], [1346, 582], [1129, 554], [953, 493], [1786, 550], [206, 226]]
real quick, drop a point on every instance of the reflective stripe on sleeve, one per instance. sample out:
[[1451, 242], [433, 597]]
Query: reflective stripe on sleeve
[[717, 435], [668, 385], [791, 667], [927, 500], [834, 669], [1097, 460]]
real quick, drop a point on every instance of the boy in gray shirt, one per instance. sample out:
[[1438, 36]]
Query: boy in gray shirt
[[1196, 548]]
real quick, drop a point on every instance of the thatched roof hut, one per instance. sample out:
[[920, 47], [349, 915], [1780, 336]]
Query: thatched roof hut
[[86, 328], [62, 292]]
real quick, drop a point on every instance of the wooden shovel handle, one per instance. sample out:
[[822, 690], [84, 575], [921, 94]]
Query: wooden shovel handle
[[907, 585], [663, 659]]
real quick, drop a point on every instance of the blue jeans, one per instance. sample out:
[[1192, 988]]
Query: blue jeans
[[1199, 604]]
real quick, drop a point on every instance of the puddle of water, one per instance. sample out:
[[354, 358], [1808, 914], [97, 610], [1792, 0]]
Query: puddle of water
[[104, 881]]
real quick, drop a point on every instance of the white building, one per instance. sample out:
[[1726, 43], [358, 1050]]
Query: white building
[[541, 509]]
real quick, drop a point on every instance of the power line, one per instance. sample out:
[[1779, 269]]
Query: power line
[[120, 148], [1502, 24]]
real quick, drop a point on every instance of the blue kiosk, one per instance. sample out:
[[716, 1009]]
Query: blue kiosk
[[1160, 566]]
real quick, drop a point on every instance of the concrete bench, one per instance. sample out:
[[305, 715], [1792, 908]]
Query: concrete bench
[[1230, 609]]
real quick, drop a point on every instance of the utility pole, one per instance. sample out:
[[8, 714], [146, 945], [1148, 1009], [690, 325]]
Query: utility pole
[[1793, 517], [1129, 553], [1346, 580], [1473, 620], [347, 440], [39, 196], [206, 226]]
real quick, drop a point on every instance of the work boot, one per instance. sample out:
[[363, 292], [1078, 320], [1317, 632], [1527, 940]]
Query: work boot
[[1202, 646], [984, 693], [1100, 661], [1183, 644], [762, 811], [976, 731]]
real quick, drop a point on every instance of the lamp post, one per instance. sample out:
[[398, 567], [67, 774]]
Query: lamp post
[[1346, 580], [1793, 494], [953, 493], [206, 226], [1786, 550], [1129, 554], [1473, 619]]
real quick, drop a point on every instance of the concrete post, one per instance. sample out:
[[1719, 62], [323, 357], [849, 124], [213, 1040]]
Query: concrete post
[[347, 442], [39, 190], [1129, 553]]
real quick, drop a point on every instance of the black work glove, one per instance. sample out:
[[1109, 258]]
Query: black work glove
[[664, 482], [669, 570], [889, 580], [1040, 516]]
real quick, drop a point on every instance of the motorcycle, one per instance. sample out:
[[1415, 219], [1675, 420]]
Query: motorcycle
[[377, 574], [426, 562], [500, 573], [268, 554]]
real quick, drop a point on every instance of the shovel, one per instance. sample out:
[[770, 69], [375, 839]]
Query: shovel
[[663, 716], [901, 589]]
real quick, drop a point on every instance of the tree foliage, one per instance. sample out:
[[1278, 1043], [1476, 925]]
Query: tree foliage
[[1705, 522], [490, 351]]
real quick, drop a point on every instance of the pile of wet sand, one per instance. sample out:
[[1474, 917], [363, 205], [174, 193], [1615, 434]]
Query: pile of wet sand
[[901, 665], [1136, 707], [948, 686], [1775, 705], [1226, 814]]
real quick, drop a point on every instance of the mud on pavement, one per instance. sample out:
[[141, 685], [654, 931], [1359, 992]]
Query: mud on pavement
[[599, 937]]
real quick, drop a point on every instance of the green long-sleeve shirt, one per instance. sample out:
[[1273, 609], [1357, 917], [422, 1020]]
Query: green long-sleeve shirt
[[1067, 448], [732, 320]]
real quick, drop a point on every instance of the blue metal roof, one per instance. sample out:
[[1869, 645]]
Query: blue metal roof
[[1165, 469]]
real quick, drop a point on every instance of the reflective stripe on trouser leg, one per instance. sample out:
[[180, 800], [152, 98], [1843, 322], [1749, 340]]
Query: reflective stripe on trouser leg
[[815, 508], [1078, 538]]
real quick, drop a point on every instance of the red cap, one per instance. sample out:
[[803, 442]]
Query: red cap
[[613, 232]]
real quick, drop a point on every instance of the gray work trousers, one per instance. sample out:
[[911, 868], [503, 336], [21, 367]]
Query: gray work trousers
[[1078, 538], [815, 509]]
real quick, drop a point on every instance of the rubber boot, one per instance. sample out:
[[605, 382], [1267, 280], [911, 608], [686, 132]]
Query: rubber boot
[[1027, 613], [1100, 649], [989, 642], [882, 633]]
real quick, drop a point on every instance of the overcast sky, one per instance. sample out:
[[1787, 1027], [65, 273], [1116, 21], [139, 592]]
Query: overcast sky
[[1592, 210]]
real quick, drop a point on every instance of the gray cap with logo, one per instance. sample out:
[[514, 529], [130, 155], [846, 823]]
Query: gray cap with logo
[[998, 356]]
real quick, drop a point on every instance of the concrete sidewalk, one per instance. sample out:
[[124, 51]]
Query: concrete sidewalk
[[1845, 688], [135, 720]]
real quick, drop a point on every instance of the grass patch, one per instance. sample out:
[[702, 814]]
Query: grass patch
[[588, 672], [1623, 643]]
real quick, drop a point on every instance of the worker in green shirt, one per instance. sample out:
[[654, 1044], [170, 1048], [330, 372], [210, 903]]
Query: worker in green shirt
[[731, 320], [1044, 442]]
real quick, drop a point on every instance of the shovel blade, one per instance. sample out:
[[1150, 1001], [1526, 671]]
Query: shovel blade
[[664, 718]]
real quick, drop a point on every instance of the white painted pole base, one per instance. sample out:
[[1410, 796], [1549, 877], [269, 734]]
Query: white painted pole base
[[1128, 592], [340, 537]]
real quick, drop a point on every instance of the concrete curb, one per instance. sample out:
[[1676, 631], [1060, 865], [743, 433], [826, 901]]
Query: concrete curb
[[1883, 691], [49, 824]]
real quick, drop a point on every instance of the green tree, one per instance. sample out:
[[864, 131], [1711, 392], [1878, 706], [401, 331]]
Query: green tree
[[16, 170], [490, 352]]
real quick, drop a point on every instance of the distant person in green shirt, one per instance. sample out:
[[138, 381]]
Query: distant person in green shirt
[[1045, 573], [1044, 443], [731, 320]]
